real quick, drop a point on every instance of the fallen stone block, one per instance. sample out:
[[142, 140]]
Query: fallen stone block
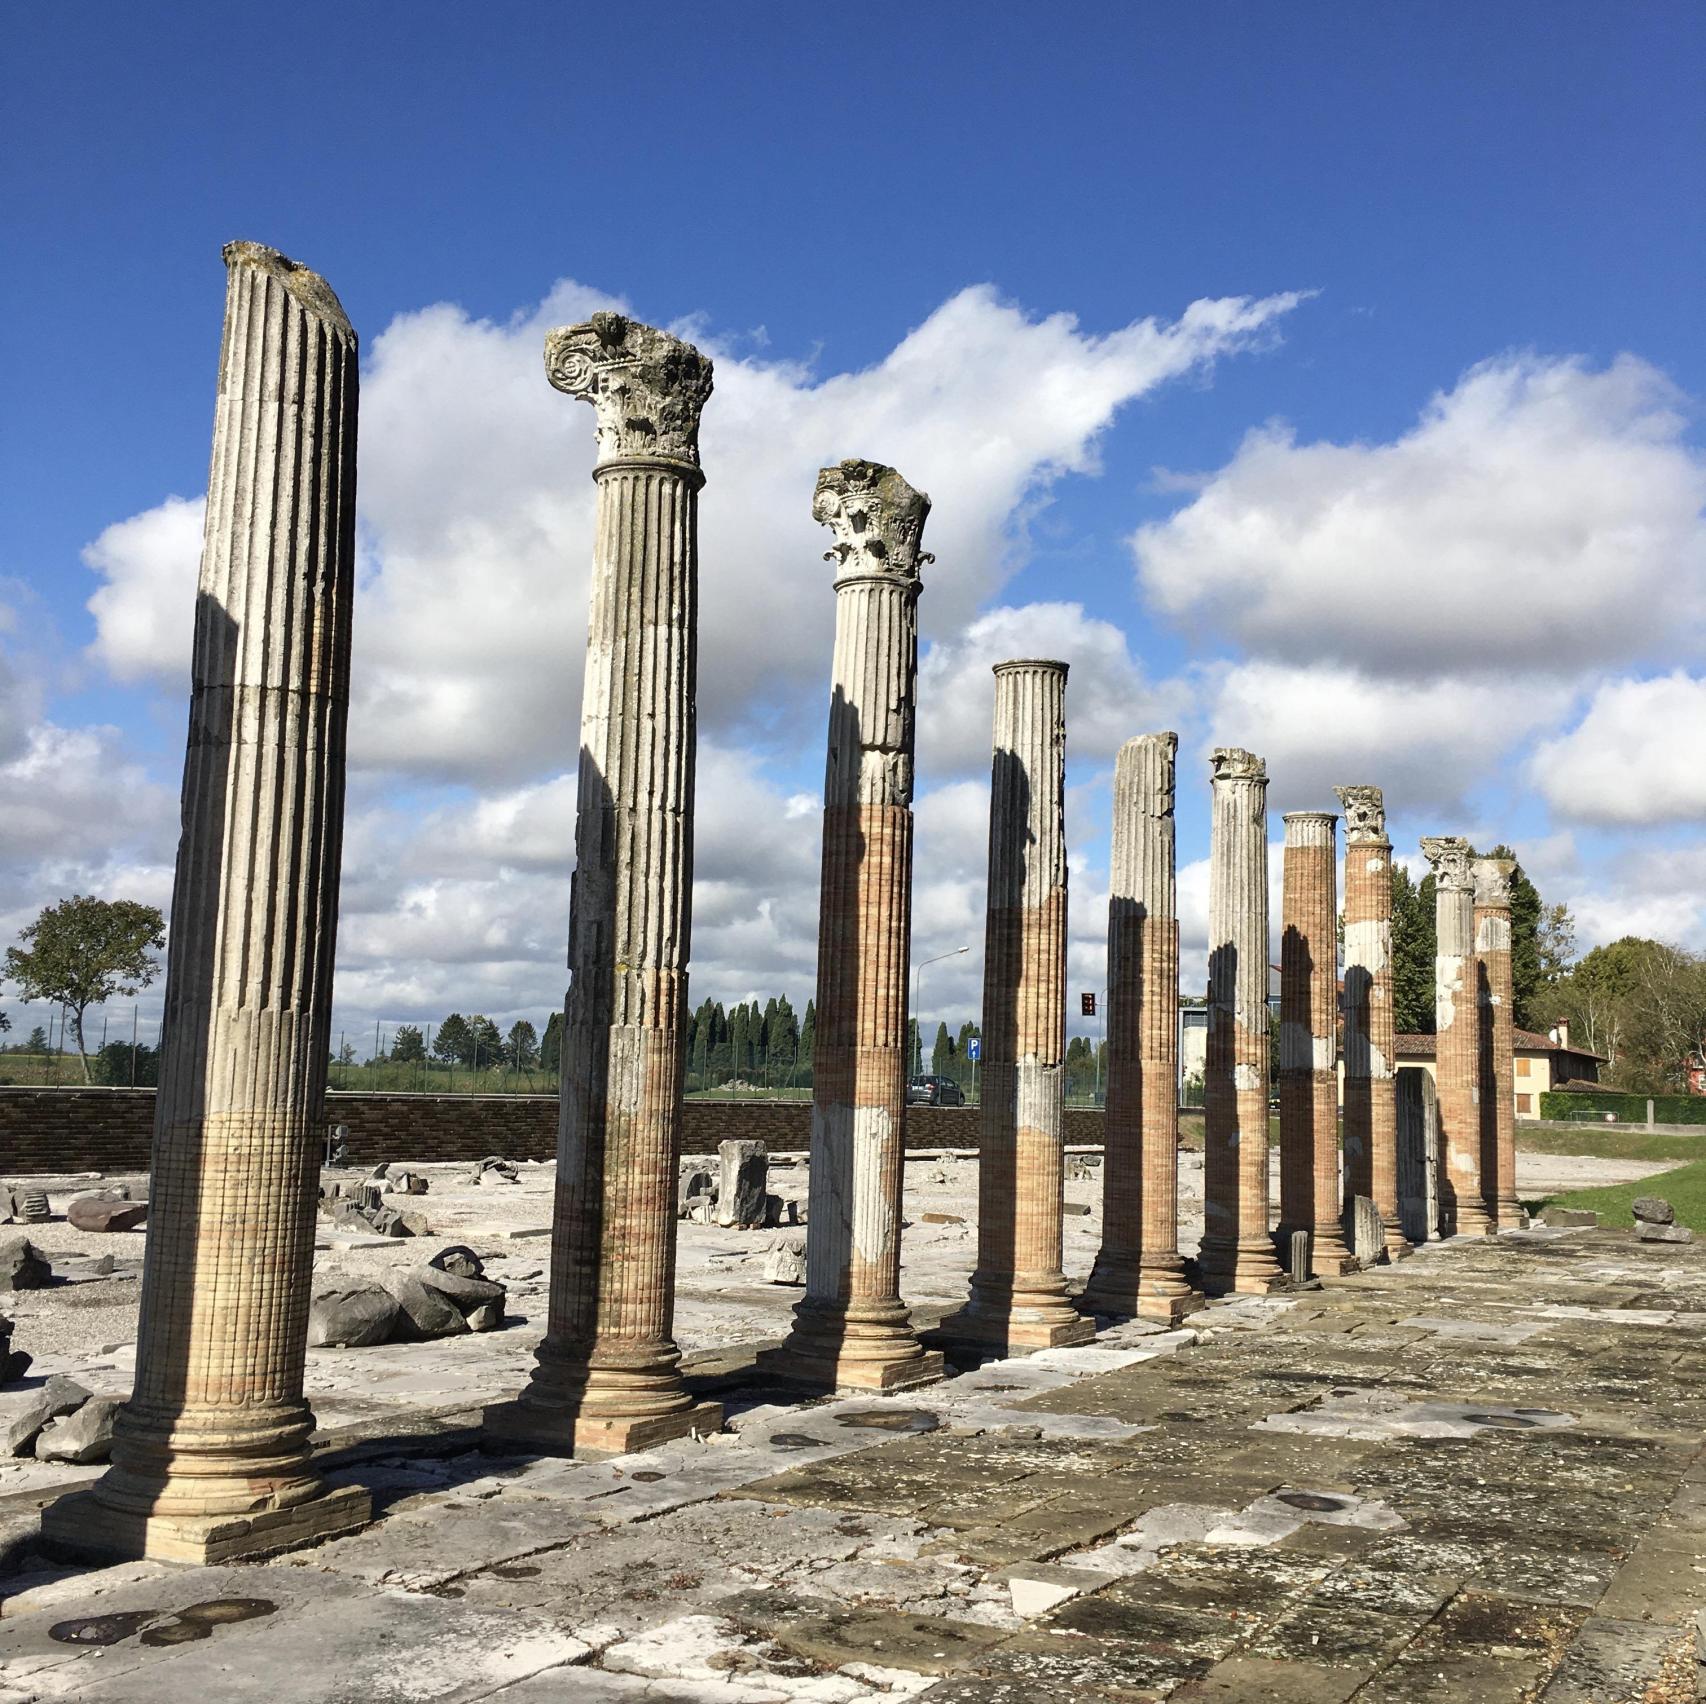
[[460, 1261], [58, 1396], [1079, 1208], [14, 1363], [1652, 1210], [695, 1181], [1038, 1587], [494, 1171], [703, 1209], [26, 1206], [1363, 1229], [1664, 1233], [786, 1261], [101, 1213], [425, 1313], [352, 1318], [1569, 1218], [23, 1266], [741, 1190], [940, 1219], [82, 1436], [780, 1211], [406, 1182]]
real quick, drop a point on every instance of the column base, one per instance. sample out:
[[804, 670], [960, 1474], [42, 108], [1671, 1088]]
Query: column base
[[1122, 1293], [1331, 1259], [826, 1372], [1398, 1246], [1008, 1331], [563, 1432], [1241, 1270], [1510, 1216], [82, 1525]]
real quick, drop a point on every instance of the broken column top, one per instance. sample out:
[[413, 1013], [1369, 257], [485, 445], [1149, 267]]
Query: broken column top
[[1013, 664], [877, 518], [648, 387], [1233, 763], [1493, 881], [1449, 856], [1311, 827], [1143, 774], [308, 289], [1365, 814]]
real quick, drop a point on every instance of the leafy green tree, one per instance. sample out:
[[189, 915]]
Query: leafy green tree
[[1412, 953], [83, 951], [408, 1045], [551, 1044], [346, 1053], [942, 1054], [455, 1041], [808, 1032], [37, 1042], [521, 1045], [485, 1043], [116, 1069]]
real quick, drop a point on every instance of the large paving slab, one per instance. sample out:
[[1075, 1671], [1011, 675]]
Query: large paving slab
[[1478, 1475]]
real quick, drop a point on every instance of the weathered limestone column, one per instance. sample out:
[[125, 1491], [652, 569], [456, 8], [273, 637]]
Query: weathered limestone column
[[852, 1328], [1139, 1270], [1496, 1041], [210, 1459], [1237, 1247], [1456, 1051], [1309, 1023], [1371, 1084], [1018, 1291], [608, 1373]]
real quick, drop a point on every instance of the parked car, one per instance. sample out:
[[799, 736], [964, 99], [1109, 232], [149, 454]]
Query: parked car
[[934, 1091]]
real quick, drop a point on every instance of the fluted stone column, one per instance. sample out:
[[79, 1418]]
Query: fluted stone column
[[608, 1374], [1018, 1291], [1496, 1041], [1371, 1083], [210, 1458], [1309, 1024], [1139, 1270], [852, 1328], [1237, 1247], [1456, 1044]]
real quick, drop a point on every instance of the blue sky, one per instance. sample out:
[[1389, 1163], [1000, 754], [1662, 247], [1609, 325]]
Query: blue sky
[[1463, 555]]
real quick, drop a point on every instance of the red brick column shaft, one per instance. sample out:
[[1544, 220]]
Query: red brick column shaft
[[1456, 1057], [852, 1328], [1237, 1246], [1018, 1291], [1371, 1083], [1496, 1049], [1309, 1021], [1138, 1269]]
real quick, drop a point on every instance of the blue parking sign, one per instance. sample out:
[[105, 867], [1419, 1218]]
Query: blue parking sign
[[974, 1050]]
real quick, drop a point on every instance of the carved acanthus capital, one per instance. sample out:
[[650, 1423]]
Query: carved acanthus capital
[[1233, 763], [647, 386], [1365, 815], [1493, 882], [1449, 856], [877, 518]]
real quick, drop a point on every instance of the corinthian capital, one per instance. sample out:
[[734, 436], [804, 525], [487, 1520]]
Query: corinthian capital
[[1233, 763], [1493, 882], [1365, 815], [1449, 856], [647, 386], [877, 519]]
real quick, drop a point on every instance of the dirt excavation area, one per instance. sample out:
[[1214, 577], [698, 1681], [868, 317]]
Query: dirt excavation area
[[1477, 1475]]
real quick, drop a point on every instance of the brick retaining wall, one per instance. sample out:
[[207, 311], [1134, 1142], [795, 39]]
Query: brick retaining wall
[[108, 1130]]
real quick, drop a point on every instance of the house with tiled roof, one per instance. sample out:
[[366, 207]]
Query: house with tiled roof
[[1542, 1062]]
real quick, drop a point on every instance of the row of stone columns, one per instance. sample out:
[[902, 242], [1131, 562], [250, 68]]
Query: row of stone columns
[[211, 1458]]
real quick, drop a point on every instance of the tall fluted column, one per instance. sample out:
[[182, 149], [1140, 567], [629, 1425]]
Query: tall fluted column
[[852, 1328], [1237, 1247], [1371, 1084], [1309, 1023], [1496, 1041], [1139, 1269], [210, 1458], [608, 1374], [1456, 1044], [1018, 1292]]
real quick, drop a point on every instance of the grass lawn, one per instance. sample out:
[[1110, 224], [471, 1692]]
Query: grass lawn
[[1612, 1141], [1684, 1189]]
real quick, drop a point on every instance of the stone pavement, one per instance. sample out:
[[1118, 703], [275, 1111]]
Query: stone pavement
[[1475, 1476]]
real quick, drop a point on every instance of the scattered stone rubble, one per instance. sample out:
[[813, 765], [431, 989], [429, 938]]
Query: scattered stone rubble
[[24, 1206], [447, 1297], [23, 1266], [14, 1363], [109, 1210]]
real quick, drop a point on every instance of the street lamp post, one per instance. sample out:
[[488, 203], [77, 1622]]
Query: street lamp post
[[917, 980]]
